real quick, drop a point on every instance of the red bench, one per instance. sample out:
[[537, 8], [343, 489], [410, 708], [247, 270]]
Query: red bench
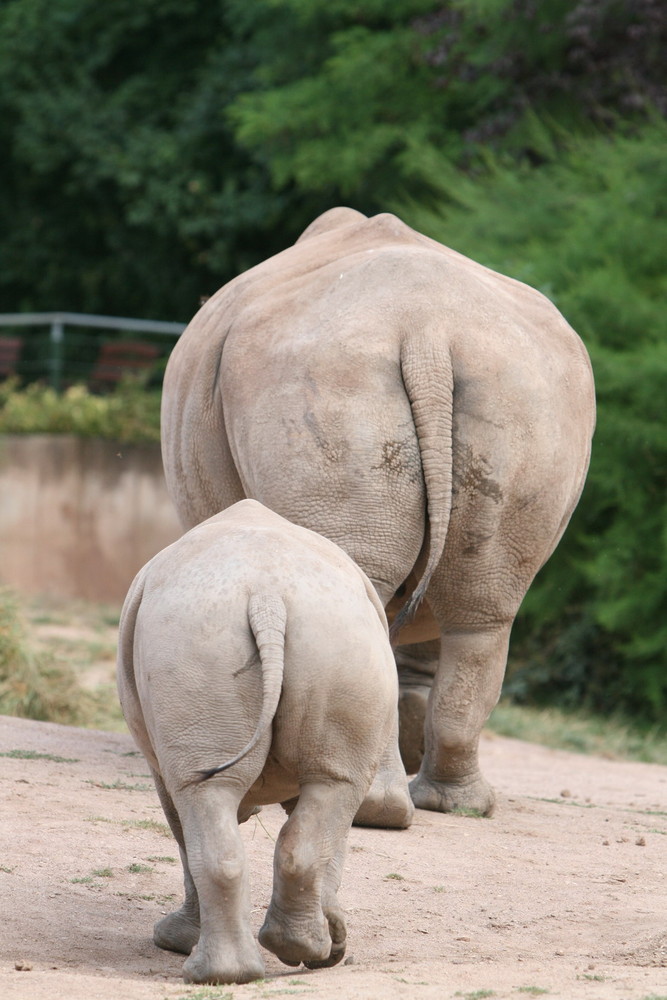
[[118, 358], [10, 352]]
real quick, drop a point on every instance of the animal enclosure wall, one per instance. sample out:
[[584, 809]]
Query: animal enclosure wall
[[80, 516]]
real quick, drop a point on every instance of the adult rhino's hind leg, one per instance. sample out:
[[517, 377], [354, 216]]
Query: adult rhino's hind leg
[[416, 664], [388, 803], [465, 690]]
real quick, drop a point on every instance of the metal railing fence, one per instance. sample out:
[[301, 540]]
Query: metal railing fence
[[56, 365]]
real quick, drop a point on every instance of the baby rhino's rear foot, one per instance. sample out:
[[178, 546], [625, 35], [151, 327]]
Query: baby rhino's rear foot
[[176, 932], [294, 942], [224, 964], [338, 932]]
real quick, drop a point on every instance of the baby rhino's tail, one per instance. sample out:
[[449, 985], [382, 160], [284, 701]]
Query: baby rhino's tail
[[268, 619]]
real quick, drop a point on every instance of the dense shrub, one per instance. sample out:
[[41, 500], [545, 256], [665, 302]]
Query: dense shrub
[[130, 414]]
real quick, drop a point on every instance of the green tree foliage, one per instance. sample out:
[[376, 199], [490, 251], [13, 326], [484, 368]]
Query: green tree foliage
[[589, 229], [341, 117], [378, 87], [124, 189], [155, 148]]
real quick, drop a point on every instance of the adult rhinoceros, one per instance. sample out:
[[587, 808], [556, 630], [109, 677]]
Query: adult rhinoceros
[[430, 416]]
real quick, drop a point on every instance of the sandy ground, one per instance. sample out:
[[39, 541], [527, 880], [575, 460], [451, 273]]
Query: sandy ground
[[563, 893]]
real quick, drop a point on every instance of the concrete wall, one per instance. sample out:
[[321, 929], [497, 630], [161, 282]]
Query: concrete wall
[[80, 516]]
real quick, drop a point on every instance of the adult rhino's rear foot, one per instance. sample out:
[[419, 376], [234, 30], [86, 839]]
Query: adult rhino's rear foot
[[176, 932], [387, 804], [473, 796]]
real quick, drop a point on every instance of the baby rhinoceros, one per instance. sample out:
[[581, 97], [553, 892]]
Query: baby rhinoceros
[[254, 667]]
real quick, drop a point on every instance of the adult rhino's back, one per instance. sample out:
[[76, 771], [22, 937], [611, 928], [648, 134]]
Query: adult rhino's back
[[357, 284]]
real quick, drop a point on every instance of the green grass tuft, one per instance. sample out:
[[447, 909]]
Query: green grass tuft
[[476, 994], [148, 824], [119, 786], [210, 993], [34, 755]]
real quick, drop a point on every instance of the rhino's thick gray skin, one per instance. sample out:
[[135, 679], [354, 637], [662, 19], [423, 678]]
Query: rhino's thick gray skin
[[430, 416], [251, 634]]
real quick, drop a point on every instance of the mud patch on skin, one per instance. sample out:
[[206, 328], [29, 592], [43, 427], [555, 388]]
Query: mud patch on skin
[[391, 456], [472, 474], [474, 542], [400, 458]]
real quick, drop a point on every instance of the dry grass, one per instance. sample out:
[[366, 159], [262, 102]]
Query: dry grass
[[34, 682], [82, 636], [614, 738]]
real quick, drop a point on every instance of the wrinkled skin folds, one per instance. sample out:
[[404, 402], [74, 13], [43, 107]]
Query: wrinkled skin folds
[[253, 638], [430, 416]]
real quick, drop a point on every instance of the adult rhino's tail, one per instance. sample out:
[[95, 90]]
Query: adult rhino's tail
[[267, 616], [426, 368]]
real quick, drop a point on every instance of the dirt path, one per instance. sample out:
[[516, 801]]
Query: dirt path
[[563, 893]]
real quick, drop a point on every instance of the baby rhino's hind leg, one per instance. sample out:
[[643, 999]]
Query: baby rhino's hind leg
[[226, 951], [333, 912], [305, 922], [179, 930]]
